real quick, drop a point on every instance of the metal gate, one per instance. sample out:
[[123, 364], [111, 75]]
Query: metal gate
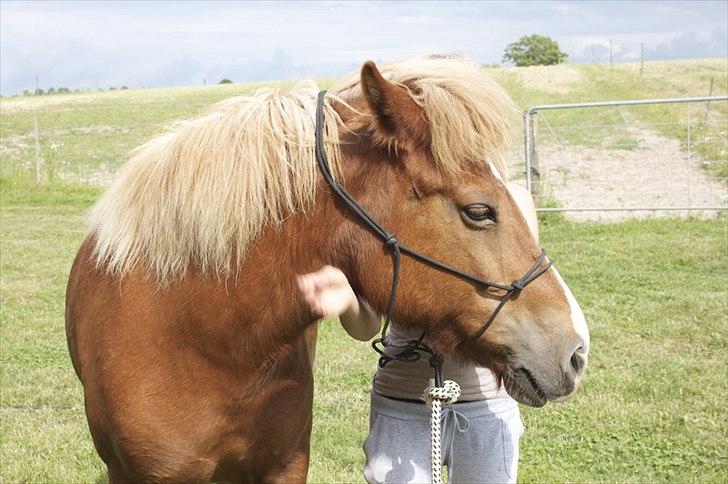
[[650, 156]]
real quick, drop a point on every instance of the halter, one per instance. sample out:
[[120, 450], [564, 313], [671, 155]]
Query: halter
[[411, 350]]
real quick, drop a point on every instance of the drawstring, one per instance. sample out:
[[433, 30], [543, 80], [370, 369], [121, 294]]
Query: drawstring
[[461, 424], [460, 421]]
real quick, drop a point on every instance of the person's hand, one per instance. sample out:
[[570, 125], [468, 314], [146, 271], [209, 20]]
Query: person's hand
[[327, 292]]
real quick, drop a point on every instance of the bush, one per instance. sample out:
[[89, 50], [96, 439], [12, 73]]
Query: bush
[[534, 50], [225, 81]]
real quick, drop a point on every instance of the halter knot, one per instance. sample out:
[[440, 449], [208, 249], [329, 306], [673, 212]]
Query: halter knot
[[391, 240], [436, 361], [449, 392]]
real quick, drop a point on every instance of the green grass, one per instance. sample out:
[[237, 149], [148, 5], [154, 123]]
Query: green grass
[[86, 135], [652, 408]]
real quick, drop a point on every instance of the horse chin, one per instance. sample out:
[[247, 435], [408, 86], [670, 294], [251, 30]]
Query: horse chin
[[523, 388]]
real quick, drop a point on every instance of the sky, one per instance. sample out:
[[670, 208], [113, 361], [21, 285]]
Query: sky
[[148, 44]]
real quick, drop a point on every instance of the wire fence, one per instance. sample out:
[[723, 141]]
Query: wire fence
[[617, 158], [605, 160]]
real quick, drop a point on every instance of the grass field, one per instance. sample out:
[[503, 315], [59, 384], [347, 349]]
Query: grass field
[[655, 292], [86, 136], [652, 408]]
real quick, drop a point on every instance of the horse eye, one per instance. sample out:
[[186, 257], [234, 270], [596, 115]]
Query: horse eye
[[479, 213]]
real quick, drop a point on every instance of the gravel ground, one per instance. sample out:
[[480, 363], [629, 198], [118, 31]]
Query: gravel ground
[[658, 173]]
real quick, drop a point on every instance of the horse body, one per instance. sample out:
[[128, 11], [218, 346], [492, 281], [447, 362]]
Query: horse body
[[176, 379], [192, 372], [205, 377]]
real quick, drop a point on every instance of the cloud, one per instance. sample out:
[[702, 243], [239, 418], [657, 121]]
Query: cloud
[[183, 71], [148, 44], [279, 66], [690, 45], [687, 45]]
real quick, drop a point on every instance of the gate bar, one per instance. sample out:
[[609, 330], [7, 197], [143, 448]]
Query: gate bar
[[625, 209], [631, 102]]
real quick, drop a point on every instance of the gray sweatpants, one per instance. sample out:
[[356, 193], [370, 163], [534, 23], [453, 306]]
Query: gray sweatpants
[[479, 441]]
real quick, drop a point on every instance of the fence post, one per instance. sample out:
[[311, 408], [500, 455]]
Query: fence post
[[642, 61], [690, 153], [526, 152], [707, 104], [37, 151], [611, 55], [533, 182]]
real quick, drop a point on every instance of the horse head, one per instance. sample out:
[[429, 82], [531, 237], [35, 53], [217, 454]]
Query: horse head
[[421, 152]]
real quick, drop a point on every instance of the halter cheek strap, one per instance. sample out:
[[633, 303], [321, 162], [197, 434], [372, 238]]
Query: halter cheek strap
[[411, 350]]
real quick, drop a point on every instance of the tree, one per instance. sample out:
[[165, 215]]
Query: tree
[[225, 81], [534, 50]]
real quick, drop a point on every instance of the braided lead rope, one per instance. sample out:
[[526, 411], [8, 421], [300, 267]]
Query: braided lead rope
[[449, 392]]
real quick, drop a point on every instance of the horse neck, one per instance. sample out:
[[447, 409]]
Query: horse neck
[[260, 310]]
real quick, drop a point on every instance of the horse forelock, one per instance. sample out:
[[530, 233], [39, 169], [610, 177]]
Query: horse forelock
[[469, 113], [200, 193]]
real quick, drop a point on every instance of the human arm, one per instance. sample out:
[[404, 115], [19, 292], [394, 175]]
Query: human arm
[[328, 294]]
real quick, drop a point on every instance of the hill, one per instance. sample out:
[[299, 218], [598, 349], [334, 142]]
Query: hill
[[84, 137]]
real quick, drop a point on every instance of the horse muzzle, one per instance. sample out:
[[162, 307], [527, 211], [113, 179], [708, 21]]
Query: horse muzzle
[[535, 385]]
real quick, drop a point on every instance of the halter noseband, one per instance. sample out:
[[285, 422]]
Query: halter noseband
[[411, 350]]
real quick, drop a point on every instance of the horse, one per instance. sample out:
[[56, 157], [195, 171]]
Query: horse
[[184, 325]]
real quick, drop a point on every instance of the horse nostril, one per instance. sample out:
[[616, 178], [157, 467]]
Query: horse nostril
[[577, 360]]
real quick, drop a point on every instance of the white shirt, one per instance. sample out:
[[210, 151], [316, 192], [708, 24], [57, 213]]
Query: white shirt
[[399, 379]]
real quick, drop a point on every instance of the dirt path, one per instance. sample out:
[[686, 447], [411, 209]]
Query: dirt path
[[657, 173]]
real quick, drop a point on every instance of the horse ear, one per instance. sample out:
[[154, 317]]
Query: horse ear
[[397, 116]]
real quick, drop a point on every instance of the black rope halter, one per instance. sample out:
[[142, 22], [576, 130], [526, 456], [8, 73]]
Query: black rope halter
[[411, 350]]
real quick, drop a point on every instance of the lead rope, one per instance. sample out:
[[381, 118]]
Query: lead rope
[[435, 397]]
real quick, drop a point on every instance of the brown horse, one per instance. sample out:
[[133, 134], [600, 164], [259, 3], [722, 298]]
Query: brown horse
[[184, 324]]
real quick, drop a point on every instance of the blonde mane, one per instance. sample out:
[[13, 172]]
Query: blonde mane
[[200, 193]]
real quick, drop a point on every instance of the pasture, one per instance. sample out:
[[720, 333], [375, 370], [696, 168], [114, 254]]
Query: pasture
[[84, 137], [653, 405]]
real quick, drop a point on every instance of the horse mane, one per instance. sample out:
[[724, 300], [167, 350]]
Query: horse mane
[[201, 192]]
